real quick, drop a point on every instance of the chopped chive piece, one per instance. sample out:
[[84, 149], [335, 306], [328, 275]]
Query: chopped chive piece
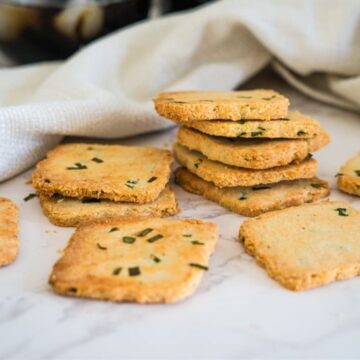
[[243, 97], [257, 133], [101, 247], [242, 197], [144, 232], [128, 239], [269, 98], [242, 133], [261, 128], [187, 235], [156, 259], [97, 160], [342, 211], [195, 242], [357, 172], [131, 183], [134, 271], [300, 132], [130, 186], [29, 197], [77, 166], [117, 271], [155, 238], [153, 178], [261, 187], [317, 186], [113, 229], [199, 266], [310, 155], [198, 162], [339, 174], [87, 200], [242, 122]]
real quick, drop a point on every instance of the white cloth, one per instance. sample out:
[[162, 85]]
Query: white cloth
[[105, 90]]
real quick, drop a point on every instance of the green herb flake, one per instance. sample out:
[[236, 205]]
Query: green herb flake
[[300, 133], [134, 271], [342, 211], [316, 186], [144, 232], [101, 247], [97, 160], [310, 155], [128, 239], [242, 122], [242, 197], [153, 178], [131, 183], [243, 97], [357, 172], [77, 166], [87, 200], [242, 133], [257, 133], [114, 229], [269, 98], [261, 187], [195, 242], [155, 238], [199, 266], [187, 235], [156, 259], [117, 271], [29, 197], [339, 174], [198, 162]]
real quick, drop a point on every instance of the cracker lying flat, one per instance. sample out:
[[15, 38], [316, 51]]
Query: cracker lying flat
[[9, 240], [119, 173], [349, 176], [295, 126], [225, 105], [64, 211], [306, 246], [228, 176], [254, 153], [253, 201], [145, 260]]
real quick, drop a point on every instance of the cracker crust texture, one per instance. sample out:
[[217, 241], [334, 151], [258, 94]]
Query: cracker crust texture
[[9, 231], [226, 105], [306, 246], [115, 172], [253, 201], [134, 259], [349, 176]]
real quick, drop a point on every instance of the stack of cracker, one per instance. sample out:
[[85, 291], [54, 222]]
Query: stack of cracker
[[244, 149], [79, 183]]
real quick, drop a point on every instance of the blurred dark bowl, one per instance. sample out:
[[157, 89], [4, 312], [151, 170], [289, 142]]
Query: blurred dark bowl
[[38, 30]]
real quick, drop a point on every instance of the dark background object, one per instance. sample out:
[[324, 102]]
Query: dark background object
[[178, 5]]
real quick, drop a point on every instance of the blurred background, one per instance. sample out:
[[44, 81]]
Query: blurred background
[[40, 30]]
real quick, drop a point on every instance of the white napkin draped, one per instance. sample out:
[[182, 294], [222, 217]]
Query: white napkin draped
[[105, 90]]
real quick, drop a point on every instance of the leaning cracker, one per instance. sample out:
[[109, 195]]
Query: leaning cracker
[[64, 211], [294, 126], [118, 173], [253, 201], [225, 105], [145, 260], [229, 176], [9, 228], [349, 176], [250, 153], [307, 246]]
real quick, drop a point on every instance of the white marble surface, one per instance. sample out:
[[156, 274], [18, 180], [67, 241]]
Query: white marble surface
[[238, 312]]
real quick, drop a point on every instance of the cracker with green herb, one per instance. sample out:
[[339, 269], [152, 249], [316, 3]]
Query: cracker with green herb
[[294, 126], [255, 200], [9, 229], [251, 153], [65, 211], [144, 260], [226, 105], [114, 172], [349, 176], [229, 176], [306, 246]]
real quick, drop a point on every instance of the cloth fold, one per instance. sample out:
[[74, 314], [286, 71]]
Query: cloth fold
[[105, 90]]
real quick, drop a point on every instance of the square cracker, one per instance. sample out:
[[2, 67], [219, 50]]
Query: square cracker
[[229, 176], [9, 228], [349, 176], [115, 172], [306, 246], [251, 153], [65, 211], [144, 260], [226, 105], [253, 201]]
